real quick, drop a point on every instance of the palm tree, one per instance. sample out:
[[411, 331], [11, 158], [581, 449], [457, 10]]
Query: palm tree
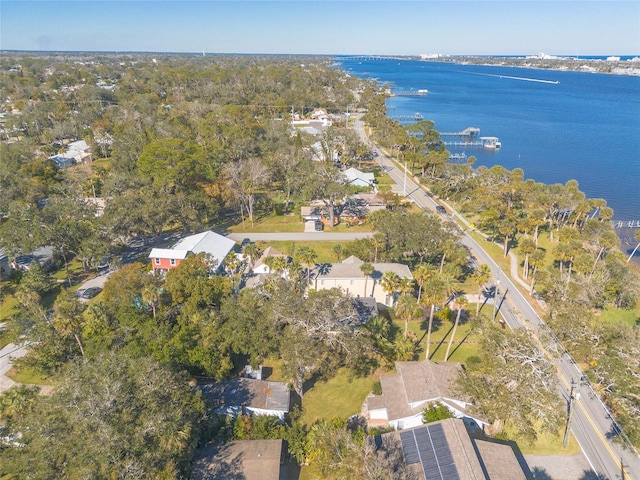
[[421, 275], [337, 249], [252, 252], [406, 286], [434, 290], [636, 236], [527, 246], [462, 301], [307, 257], [481, 277], [390, 281], [407, 309], [151, 296], [367, 269], [536, 259]]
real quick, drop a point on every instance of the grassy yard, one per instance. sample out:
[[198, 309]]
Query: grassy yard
[[340, 396], [27, 376], [547, 444], [631, 317], [272, 223]]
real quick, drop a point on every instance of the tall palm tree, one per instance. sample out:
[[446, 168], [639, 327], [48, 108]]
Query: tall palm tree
[[461, 301], [307, 257], [367, 269], [434, 291], [536, 259], [390, 282], [407, 309], [527, 246], [481, 277], [421, 275]]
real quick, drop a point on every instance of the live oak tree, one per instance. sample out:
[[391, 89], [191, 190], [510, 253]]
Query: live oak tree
[[511, 382], [135, 419]]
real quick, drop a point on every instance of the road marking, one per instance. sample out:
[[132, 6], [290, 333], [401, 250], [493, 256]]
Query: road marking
[[595, 428]]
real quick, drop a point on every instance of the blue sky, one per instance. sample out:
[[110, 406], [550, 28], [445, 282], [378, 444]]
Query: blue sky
[[325, 27]]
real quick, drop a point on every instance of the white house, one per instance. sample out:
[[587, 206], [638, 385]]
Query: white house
[[77, 152], [360, 179], [348, 276], [410, 390]]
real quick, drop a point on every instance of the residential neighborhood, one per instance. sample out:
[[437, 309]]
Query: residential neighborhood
[[242, 267]]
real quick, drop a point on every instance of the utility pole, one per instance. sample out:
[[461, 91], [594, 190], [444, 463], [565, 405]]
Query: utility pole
[[572, 398], [496, 294]]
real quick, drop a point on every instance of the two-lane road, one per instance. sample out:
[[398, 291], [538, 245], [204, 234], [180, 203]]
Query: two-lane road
[[592, 425]]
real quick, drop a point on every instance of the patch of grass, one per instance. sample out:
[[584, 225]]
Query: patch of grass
[[340, 396], [8, 307], [27, 376], [630, 317], [272, 223], [546, 444]]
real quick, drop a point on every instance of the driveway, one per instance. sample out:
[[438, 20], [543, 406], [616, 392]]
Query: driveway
[[8, 353]]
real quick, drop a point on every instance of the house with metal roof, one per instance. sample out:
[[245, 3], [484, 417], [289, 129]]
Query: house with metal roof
[[210, 243], [360, 179]]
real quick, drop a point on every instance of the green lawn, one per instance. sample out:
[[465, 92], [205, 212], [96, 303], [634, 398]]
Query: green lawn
[[27, 376], [8, 306], [631, 317], [272, 223], [340, 396]]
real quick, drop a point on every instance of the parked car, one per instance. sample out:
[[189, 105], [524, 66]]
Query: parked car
[[319, 226], [90, 292]]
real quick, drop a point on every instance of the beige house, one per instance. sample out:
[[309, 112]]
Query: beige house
[[348, 276]]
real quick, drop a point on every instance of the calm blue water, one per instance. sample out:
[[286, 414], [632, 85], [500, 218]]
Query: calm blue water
[[586, 128]]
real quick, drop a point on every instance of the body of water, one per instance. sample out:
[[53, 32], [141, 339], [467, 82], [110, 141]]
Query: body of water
[[570, 125]]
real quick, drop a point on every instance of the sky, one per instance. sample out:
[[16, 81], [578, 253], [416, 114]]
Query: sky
[[454, 27]]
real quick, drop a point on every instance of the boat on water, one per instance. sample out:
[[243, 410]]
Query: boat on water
[[490, 143], [423, 91], [417, 116]]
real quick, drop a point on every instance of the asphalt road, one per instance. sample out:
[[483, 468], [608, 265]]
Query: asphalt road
[[592, 425]]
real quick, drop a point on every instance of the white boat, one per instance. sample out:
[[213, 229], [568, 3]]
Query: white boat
[[423, 91]]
